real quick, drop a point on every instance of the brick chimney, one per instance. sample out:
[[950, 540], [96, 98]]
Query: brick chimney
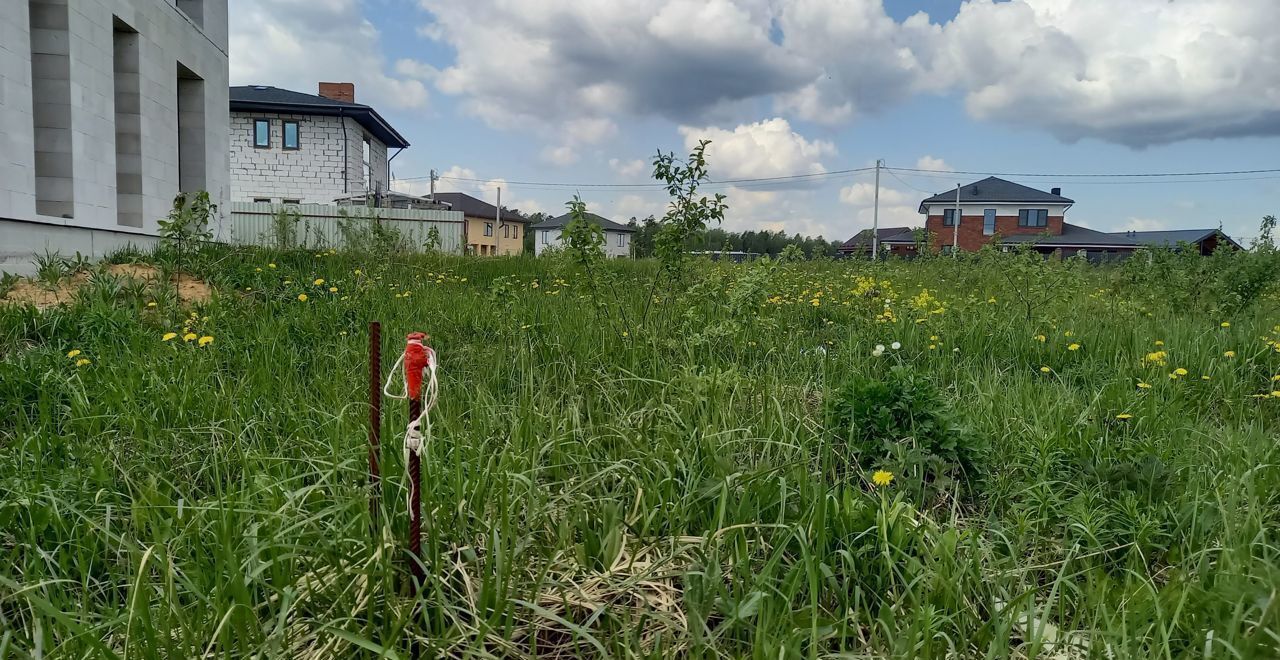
[[339, 91]]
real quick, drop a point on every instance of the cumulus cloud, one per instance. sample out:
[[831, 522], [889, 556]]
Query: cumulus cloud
[[931, 163], [294, 45], [1137, 72], [629, 169], [762, 149]]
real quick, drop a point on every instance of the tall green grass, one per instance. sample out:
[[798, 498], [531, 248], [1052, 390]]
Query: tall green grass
[[608, 482]]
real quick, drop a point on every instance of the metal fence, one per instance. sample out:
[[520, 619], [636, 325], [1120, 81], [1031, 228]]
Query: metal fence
[[323, 226]]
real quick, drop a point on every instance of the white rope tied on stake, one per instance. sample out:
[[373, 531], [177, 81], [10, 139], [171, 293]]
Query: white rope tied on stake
[[424, 363]]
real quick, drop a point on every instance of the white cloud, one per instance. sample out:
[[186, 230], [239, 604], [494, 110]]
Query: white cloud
[[763, 149], [1142, 224], [931, 163], [629, 169], [294, 44], [863, 193], [562, 155]]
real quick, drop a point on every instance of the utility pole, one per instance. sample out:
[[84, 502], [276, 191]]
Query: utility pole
[[955, 230], [875, 216], [433, 185]]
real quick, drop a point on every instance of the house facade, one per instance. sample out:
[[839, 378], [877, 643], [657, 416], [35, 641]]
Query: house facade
[[860, 245], [617, 237], [288, 147], [487, 231], [108, 109]]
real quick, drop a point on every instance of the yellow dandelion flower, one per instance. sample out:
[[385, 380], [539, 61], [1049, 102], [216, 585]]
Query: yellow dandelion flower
[[1225, 324], [205, 340], [190, 336], [319, 281], [1123, 416], [271, 265], [1229, 354], [1275, 378], [882, 478], [1068, 333], [288, 281], [1274, 393], [73, 352], [82, 361], [1073, 347], [358, 271], [991, 301], [1041, 338], [1180, 371], [151, 303], [1205, 378], [1159, 342], [1045, 370], [333, 289], [302, 297], [169, 336]]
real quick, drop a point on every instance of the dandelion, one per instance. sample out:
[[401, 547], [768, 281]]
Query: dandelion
[[151, 303], [1180, 371], [333, 289], [1156, 357], [895, 345], [1229, 354], [82, 361], [357, 271], [878, 351], [1124, 416], [1205, 378], [288, 281], [1159, 342], [1225, 324], [302, 297], [169, 336], [190, 336], [319, 281], [1073, 347], [257, 270], [271, 265], [205, 340], [955, 350], [882, 478], [991, 301], [73, 352], [628, 334], [1274, 393], [1275, 378], [1041, 338], [933, 347], [1045, 370], [1068, 333]]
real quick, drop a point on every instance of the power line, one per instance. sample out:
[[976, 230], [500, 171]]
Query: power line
[[659, 186], [1114, 175]]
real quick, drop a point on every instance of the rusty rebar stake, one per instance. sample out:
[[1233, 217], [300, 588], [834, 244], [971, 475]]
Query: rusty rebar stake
[[375, 427]]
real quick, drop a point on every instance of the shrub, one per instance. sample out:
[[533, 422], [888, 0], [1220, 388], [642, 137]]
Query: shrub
[[900, 422]]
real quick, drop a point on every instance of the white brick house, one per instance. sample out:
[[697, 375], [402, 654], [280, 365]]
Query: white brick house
[[617, 237], [290, 147], [108, 108]]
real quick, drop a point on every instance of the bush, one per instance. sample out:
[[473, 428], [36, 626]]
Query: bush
[[901, 423]]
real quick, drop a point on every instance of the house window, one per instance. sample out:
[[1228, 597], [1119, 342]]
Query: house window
[[368, 167], [488, 229], [988, 222], [294, 202], [506, 231], [1033, 218], [948, 249], [949, 217], [290, 135], [261, 200], [622, 240], [515, 231], [546, 236], [262, 133]]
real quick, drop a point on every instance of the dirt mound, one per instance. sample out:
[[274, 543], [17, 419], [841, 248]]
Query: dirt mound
[[43, 295]]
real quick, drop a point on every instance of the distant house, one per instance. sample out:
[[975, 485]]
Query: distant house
[[1203, 241], [290, 147], [860, 244], [617, 237], [994, 209], [487, 232], [736, 256]]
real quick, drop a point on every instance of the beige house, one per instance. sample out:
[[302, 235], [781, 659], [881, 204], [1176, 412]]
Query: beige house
[[487, 232]]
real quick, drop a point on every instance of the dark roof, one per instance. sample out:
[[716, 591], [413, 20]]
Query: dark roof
[[1172, 238], [1072, 235], [262, 98], [605, 223], [864, 237], [993, 190], [477, 208], [907, 235]]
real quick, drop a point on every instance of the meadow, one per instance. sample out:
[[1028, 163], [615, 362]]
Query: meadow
[[994, 456]]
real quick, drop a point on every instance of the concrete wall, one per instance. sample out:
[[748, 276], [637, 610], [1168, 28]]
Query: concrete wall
[[322, 168], [91, 93]]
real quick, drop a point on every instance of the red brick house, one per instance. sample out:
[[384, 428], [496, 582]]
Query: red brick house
[[994, 209], [860, 245]]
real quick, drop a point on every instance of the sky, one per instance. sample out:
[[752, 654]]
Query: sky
[[518, 94]]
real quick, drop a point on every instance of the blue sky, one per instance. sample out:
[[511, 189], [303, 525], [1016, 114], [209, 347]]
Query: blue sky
[[584, 91]]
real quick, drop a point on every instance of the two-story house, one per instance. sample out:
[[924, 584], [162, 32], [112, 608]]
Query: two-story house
[[487, 232], [108, 109], [617, 237], [293, 148]]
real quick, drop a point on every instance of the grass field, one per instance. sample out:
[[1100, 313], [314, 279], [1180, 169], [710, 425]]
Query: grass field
[[1084, 462]]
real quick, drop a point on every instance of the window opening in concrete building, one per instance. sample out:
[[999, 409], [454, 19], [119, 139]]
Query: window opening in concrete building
[[128, 117], [51, 107], [191, 131]]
